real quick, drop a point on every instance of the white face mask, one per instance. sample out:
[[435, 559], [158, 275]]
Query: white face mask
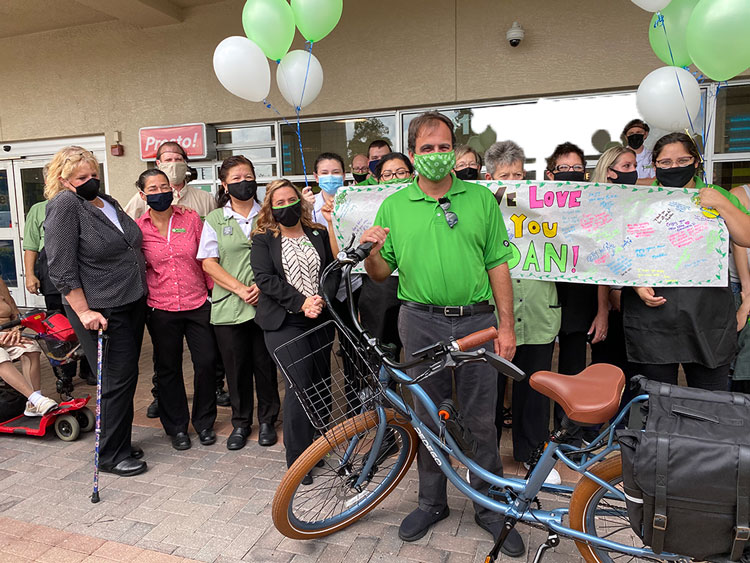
[[175, 171]]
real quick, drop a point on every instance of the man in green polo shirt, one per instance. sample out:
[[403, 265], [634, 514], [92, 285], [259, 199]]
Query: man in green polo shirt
[[537, 313], [448, 240]]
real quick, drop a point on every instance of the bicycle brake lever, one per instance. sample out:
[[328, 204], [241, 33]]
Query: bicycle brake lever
[[504, 367]]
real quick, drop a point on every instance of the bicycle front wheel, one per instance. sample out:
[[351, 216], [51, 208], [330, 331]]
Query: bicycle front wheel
[[595, 512], [333, 502]]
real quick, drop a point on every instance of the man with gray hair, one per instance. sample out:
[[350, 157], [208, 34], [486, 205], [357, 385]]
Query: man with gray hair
[[537, 315]]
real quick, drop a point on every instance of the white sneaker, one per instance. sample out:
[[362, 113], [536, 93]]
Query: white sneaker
[[45, 406], [552, 479]]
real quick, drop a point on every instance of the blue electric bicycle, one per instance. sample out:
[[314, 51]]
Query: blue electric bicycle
[[370, 433]]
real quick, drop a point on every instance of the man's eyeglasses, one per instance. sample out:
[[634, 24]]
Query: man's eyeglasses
[[462, 165], [450, 217], [360, 169], [669, 163], [569, 168], [401, 173]]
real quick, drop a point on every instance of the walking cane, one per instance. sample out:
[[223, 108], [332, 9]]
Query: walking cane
[[100, 346]]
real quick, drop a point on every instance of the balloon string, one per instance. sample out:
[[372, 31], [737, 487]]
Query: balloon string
[[298, 109], [660, 22]]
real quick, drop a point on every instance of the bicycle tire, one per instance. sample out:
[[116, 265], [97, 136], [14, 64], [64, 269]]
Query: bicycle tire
[[292, 511], [590, 513]]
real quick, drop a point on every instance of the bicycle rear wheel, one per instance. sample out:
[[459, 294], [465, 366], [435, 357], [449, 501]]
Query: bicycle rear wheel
[[332, 503], [595, 513]]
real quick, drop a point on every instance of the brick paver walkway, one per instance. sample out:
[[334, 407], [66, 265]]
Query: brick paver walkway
[[205, 504]]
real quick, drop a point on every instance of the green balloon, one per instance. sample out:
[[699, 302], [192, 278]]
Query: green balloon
[[718, 38], [316, 18], [270, 24], [676, 17]]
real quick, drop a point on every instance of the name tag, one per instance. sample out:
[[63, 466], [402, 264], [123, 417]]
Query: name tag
[[178, 230], [227, 231]]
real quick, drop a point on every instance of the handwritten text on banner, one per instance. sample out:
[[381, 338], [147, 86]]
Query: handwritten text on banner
[[587, 233]]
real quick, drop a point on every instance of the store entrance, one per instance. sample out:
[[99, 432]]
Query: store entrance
[[21, 186]]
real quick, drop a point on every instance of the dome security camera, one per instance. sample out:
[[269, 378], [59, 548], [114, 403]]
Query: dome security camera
[[6, 148], [515, 35]]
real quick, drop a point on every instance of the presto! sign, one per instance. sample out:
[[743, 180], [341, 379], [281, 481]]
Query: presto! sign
[[587, 233], [191, 137]]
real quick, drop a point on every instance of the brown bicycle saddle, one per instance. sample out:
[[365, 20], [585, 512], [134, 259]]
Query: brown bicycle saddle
[[591, 397]]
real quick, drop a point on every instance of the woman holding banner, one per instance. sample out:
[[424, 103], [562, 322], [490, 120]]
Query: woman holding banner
[[692, 326]]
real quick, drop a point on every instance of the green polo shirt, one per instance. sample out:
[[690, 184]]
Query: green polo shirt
[[438, 265], [33, 230], [537, 311]]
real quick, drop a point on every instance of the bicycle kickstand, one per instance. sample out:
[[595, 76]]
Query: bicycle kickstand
[[508, 525], [552, 541]]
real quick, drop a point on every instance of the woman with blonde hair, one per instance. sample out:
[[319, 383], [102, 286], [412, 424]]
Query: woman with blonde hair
[[226, 252], [95, 261], [289, 254], [617, 165]]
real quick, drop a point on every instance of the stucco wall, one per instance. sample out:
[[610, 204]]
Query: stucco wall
[[104, 77]]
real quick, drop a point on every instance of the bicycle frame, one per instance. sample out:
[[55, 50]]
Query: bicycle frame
[[524, 490]]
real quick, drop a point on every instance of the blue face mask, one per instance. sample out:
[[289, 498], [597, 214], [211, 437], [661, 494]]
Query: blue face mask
[[373, 165], [160, 201], [330, 183]]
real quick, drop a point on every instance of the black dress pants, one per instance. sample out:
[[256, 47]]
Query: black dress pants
[[702, 377], [246, 360], [167, 329], [530, 408], [119, 373], [310, 361]]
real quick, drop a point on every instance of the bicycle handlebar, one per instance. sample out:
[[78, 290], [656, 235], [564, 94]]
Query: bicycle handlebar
[[476, 338]]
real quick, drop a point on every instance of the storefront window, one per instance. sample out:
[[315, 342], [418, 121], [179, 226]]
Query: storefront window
[[8, 263], [246, 135], [733, 120], [257, 143], [346, 137], [731, 174], [6, 220], [594, 123], [32, 184]]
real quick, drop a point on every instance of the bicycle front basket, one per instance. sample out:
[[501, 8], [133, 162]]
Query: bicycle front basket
[[331, 384]]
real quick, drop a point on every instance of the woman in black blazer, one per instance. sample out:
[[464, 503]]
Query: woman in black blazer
[[289, 252]]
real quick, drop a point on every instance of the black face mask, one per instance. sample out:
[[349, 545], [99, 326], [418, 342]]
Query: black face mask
[[89, 189], [569, 176], [676, 177], [467, 174], [359, 178], [628, 178], [243, 190], [635, 141], [160, 201], [288, 215]]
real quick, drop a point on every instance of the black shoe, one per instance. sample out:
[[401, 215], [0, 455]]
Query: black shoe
[[88, 377], [153, 409], [181, 441], [126, 468], [222, 398], [207, 436], [267, 434], [307, 479], [136, 452], [416, 524], [238, 438], [512, 546]]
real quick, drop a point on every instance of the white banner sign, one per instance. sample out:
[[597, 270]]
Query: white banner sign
[[586, 233]]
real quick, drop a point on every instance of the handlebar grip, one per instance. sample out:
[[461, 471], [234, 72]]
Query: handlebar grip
[[476, 338], [363, 250], [10, 324]]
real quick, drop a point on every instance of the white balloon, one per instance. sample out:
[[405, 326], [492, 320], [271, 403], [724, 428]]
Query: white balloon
[[290, 77], [666, 96], [242, 68], [652, 5]]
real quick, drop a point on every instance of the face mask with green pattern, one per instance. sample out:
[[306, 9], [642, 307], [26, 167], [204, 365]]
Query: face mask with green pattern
[[435, 165]]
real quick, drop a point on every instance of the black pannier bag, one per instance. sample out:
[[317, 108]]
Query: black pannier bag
[[686, 475]]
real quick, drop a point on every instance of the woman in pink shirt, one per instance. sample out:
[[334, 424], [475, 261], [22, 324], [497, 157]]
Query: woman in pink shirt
[[177, 307]]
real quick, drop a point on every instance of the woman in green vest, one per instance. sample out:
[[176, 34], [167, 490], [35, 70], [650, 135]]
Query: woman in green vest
[[225, 250]]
